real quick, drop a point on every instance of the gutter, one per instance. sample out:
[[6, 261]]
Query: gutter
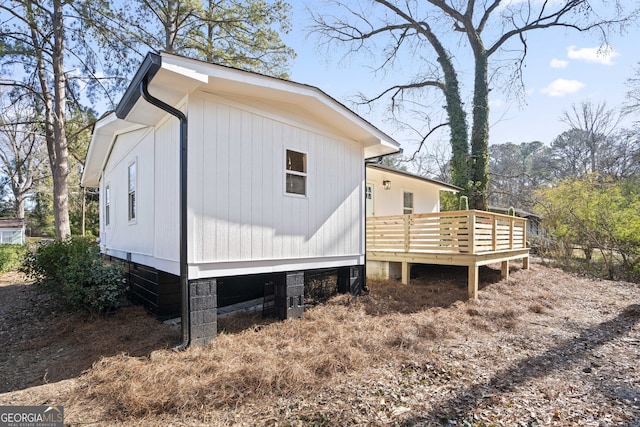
[[140, 88]]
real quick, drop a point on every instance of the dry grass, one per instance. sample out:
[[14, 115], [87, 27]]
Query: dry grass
[[544, 348]]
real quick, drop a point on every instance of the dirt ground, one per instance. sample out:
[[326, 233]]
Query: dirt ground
[[41, 343], [542, 348]]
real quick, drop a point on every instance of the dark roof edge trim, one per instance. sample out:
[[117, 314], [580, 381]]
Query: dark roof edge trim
[[148, 69], [411, 175]]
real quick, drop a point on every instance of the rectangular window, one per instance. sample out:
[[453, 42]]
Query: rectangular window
[[6, 237], [132, 191], [408, 203], [107, 205], [296, 173]]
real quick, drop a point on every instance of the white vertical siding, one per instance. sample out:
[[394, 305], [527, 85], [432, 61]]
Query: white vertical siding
[[246, 215], [166, 190], [426, 195], [121, 234]]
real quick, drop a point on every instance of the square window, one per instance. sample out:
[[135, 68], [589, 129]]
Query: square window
[[296, 161]]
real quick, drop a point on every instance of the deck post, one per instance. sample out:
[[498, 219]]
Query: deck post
[[406, 272], [504, 272], [471, 218], [473, 282], [525, 263], [511, 226], [494, 234]]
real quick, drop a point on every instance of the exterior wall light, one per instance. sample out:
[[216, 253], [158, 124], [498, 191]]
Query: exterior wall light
[[386, 184]]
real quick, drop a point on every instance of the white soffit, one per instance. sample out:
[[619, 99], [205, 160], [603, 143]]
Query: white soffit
[[104, 133]]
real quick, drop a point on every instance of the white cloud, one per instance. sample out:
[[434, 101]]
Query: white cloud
[[559, 63], [600, 55], [562, 87]]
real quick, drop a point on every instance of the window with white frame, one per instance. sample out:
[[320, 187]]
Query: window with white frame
[[407, 204], [132, 192], [296, 173], [107, 205], [6, 236]]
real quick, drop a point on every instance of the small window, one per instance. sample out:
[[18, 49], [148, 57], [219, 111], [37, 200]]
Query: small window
[[132, 191], [296, 173], [107, 205], [408, 203], [6, 237]]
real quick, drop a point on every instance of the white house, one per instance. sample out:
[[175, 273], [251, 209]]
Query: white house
[[207, 171], [12, 231], [395, 192]]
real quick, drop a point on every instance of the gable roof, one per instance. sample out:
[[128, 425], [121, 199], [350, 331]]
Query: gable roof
[[443, 185], [171, 77]]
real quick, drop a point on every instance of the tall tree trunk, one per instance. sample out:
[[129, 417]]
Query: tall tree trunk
[[457, 117], [457, 125], [60, 168], [480, 132]]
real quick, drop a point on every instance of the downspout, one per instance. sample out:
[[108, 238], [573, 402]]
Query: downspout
[[184, 277]]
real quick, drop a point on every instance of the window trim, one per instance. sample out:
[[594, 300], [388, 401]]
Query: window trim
[[132, 207], [304, 174]]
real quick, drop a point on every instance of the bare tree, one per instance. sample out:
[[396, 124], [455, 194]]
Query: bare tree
[[22, 151], [492, 33], [48, 50], [517, 170], [596, 123], [633, 95]]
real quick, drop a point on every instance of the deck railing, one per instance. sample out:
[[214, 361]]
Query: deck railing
[[472, 232]]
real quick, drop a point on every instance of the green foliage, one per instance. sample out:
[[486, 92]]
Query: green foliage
[[511, 211], [11, 257], [39, 220], [73, 270], [448, 201], [595, 215], [464, 203]]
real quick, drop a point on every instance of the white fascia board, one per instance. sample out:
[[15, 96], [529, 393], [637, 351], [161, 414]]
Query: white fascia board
[[104, 134], [234, 82]]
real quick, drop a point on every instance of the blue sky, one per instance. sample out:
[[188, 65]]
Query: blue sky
[[562, 68]]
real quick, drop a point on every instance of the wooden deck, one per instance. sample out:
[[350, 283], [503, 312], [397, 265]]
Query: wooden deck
[[467, 238]]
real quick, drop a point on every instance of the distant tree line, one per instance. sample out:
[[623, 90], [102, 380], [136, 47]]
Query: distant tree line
[[585, 185]]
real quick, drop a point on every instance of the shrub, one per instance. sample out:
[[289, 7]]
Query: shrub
[[74, 270], [600, 217], [11, 256]]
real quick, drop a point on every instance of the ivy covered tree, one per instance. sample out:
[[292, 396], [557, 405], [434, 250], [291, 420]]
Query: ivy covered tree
[[430, 34]]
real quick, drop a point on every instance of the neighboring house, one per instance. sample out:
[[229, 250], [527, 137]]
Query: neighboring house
[[534, 221], [394, 192], [12, 231], [209, 172]]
